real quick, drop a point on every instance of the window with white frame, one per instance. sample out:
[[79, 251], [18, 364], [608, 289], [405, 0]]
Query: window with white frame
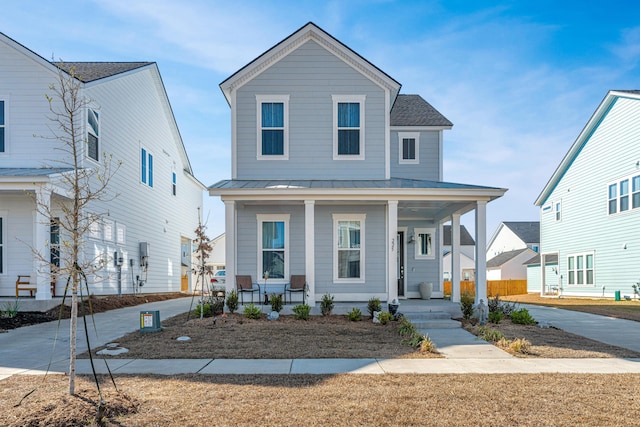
[[580, 269], [107, 227], [2, 127], [95, 228], [93, 134], [120, 234], [624, 194], [557, 209], [146, 167], [409, 147], [348, 248], [273, 126], [174, 183], [348, 127], [425, 238], [273, 244]]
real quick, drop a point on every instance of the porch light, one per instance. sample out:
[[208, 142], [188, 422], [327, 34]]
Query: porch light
[[412, 239]]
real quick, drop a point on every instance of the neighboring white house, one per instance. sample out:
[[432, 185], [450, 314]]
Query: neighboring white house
[[332, 172], [509, 265], [506, 252], [467, 265], [216, 259], [590, 208], [155, 211]]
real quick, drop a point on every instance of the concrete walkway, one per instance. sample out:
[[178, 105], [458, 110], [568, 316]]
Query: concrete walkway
[[29, 350]]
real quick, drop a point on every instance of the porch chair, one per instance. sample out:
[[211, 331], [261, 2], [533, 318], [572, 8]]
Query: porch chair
[[298, 283], [245, 284]]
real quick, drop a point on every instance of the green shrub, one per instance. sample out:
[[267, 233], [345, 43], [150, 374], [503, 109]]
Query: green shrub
[[10, 309], [326, 304], [406, 328], [495, 305], [276, 302], [374, 305], [252, 311], [302, 311], [384, 317], [466, 305], [522, 317], [355, 315], [205, 309], [487, 334], [232, 301], [495, 316]]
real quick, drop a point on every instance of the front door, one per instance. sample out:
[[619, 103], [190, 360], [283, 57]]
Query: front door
[[400, 263]]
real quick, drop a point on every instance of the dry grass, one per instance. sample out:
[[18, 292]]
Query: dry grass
[[344, 400]]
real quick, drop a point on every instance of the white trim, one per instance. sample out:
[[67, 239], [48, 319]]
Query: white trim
[[360, 99], [419, 128], [629, 178], [417, 253], [584, 269], [349, 217], [108, 227], [408, 135], [5, 98], [387, 137], [260, 218], [91, 132], [4, 214], [309, 249], [392, 250], [234, 137], [284, 99]]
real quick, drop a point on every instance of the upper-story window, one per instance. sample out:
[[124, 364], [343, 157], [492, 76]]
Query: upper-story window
[[174, 183], [624, 194], [2, 127], [409, 147], [348, 127], [273, 126], [146, 167], [93, 134], [558, 210]]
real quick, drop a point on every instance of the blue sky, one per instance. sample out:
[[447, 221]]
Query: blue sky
[[519, 79]]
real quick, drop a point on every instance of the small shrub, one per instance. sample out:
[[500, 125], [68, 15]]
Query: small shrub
[[252, 311], [374, 305], [217, 306], [204, 309], [487, 334], [493, 304], [522, 317], [520, 345], [302, 311], [504, 307], [326, 304], [355, 315], [276, 302], [10, 309], [232, 301], [384, 317], [427, 346], [406, 328], [495, 316], [466, 305]]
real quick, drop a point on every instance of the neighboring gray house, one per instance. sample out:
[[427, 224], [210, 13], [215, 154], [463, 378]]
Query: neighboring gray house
[[590, 208], [337, 176]]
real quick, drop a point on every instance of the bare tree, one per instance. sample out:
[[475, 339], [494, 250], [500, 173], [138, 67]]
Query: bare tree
[[203, 249], [82, 186]]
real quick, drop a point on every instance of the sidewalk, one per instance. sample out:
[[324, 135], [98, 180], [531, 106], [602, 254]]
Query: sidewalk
[[28, 350]]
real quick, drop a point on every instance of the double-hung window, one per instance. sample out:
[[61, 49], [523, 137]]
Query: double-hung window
[[348, 127], [624, 194], [558, 210], [580, 269], [273, 241], [635, 192], [273, 127], [424, 243], [93, 134], [409, 147], [146, 167], [348, 252], [2, 126], [174, 183]]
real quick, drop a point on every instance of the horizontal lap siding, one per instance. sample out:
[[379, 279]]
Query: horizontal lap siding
[[421, 270], [310, 75], [429, 157], [611, 153]]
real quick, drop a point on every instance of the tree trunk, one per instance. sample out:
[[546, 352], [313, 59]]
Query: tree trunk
[[73, 328]]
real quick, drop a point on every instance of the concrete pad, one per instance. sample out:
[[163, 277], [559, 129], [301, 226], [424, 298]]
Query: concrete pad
[[83, 366], [336, 366], [248, 366], [163, 366]]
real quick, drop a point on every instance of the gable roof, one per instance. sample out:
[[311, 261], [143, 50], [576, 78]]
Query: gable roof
[[504, 257], [90, 71], [549, 259], [309, 31], [527, 231], [413, 110], [591, 126], [465, 237]]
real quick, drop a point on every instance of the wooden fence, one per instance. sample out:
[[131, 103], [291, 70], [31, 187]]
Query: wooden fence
[[494, 287]]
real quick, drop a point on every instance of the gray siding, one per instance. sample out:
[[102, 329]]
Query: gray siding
[[310, 75], [612, 152], [421, 270], [429, 157]]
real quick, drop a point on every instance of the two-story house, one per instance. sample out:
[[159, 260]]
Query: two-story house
[[590, 208], [512, 245], [338, 177], [150, 212]]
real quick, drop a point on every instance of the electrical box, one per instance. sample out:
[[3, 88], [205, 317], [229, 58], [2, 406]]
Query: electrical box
[[150, 321], [144, 249], [118, 259]]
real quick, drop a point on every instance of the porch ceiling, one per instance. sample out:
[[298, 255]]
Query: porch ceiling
[[435, 210]]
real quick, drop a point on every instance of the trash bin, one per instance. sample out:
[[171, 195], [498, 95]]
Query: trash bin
[[617, 295]]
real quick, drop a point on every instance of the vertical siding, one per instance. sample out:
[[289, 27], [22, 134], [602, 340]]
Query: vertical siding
[[310, 75], [611, 152], [429, 156]]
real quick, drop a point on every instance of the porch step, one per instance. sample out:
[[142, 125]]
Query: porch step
[[432, 320]]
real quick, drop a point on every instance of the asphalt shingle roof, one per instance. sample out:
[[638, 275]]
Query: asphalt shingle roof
[[465, 237], [413, 110], [503, 258], [527, 231], [90, 71], [549, 259]]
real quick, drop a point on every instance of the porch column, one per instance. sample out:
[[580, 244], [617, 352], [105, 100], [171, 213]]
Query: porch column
[[543, 275], [392, 260], [310, 249], [230, 244], [481, 251], [41, 230], [455, 258]]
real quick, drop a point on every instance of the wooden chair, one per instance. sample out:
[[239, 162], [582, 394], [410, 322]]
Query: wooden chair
[[24, 284], [245, 284], [298, 283]]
